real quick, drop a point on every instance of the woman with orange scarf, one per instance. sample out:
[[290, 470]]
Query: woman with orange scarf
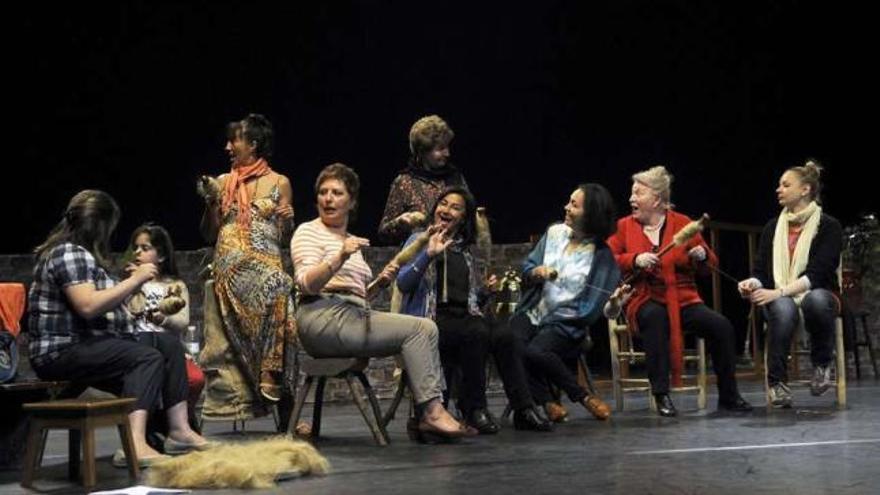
[[251, 219], [665, 301]]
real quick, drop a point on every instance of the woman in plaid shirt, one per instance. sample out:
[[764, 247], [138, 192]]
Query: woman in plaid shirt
[[77, 324]]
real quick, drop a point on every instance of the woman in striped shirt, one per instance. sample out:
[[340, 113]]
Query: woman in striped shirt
[[333, 317]]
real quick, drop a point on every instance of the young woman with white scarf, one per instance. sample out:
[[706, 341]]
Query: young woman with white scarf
[[795, 272]]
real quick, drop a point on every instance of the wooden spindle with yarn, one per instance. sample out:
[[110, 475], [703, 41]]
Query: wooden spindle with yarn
[[173, 301], [680, 238], [401, 258], [209, 188]]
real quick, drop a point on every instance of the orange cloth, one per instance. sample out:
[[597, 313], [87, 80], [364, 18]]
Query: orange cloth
[[12, 299], [236, 191]]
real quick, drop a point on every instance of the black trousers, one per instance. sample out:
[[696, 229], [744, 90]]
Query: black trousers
[[116, 365], [707, 324], [465, 343], [547, 350], [175, 388]]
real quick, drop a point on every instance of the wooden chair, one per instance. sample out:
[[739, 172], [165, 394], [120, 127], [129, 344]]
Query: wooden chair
[[800, 349], [348, 369], [623, 354]]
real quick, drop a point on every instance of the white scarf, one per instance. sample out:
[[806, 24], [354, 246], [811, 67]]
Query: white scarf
[[786, 269]]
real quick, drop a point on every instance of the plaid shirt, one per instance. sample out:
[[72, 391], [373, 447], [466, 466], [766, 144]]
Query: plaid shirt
[[53, 323]]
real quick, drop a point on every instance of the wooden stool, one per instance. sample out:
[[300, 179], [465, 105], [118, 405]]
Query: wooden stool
[[80, 417], [348, 369]]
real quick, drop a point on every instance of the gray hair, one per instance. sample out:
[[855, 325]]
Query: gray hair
[[659, 180]]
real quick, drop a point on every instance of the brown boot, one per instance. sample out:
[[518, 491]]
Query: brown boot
[[597, 408], [556, 412]]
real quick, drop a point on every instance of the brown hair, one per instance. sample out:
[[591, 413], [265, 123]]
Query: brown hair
[[427, 133], [347, 176], [88, 221]]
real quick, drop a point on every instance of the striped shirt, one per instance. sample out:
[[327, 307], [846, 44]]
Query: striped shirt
[[53, 325], [313, 243]]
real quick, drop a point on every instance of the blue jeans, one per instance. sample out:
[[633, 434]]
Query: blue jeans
[[819, 308]]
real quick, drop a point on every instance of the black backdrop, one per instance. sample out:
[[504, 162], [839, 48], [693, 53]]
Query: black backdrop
[[132, 98]]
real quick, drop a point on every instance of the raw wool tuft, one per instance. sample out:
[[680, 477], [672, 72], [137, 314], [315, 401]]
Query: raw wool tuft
[[239, 465]]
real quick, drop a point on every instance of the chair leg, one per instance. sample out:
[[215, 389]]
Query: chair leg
[[766, 369], [298, 406], [374, 403], [44, 437], [584, 370], [319, 404], [362, 407], [855, 352], [841, 365], [395, 403], [74, 445], [34, 445], [127, 440], [88, 444], [701, 374], [283, 409], [870, 345], [275, 417], [616, 388]]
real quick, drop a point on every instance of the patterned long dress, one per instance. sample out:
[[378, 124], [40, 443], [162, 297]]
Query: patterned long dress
[[254, 294]]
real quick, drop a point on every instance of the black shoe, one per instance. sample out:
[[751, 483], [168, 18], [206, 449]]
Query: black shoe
[[665, 407], [483, 421], [420, 433], [530, 419], [738, 404]]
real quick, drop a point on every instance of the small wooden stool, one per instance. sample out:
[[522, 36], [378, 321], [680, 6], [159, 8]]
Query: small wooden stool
[[348, 369], [80, 417]]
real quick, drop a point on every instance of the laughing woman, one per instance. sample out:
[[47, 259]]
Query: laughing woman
[[570, 274], [444, 283]]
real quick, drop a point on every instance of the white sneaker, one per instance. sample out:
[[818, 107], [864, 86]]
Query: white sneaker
[[821, 381], [780, 395]]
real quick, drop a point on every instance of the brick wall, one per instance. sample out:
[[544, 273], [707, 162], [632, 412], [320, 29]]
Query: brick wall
[[192, 265]]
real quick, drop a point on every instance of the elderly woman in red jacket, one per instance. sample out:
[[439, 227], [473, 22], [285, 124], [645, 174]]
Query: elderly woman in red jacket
[[665, 301]]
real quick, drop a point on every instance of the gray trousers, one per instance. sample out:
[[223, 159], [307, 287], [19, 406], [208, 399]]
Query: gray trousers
[[336, 326]]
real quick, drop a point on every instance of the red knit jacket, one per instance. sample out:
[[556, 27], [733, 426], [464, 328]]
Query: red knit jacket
[[673, 284]]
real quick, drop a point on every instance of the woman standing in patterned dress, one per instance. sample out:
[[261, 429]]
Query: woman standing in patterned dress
[[251, 216]]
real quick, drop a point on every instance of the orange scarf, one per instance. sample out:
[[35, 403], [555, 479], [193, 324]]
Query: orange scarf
[[236, 191]]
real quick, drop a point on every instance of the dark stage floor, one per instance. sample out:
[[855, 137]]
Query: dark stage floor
[[811, 449]]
